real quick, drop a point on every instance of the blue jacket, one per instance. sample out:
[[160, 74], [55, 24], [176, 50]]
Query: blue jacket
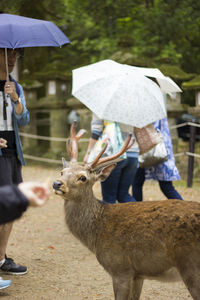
[[19, 120]]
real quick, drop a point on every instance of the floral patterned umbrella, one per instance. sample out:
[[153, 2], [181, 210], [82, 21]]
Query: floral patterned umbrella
[[118, 93]]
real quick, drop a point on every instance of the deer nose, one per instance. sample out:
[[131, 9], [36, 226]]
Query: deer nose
[[57, 184]]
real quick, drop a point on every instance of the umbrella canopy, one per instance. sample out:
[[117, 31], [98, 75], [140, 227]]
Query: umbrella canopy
[[118, 93], [167, 85], [21, 32]]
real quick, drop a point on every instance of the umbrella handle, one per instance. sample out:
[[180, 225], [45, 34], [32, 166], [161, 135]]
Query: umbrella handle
[[6, 62]]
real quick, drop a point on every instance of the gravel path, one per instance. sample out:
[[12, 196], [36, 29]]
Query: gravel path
[[59, 266]]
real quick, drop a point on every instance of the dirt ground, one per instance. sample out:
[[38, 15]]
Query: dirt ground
[[60, 267]]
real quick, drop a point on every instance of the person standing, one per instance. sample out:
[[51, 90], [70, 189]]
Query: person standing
[[116, 186], [14, 200], [164, 173], [13, 113]]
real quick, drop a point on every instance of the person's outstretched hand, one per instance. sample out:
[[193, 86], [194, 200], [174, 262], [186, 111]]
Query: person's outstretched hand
[[36, 193], [3, 143]]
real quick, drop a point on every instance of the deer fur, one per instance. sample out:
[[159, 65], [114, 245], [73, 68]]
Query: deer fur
[[132, 241]]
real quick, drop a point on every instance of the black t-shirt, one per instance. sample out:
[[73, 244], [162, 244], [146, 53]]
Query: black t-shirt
[[2, 83], [8, 135]]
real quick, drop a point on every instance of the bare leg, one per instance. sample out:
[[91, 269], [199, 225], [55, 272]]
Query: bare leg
[[5, 231]]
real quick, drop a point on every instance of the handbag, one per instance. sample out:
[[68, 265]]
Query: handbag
[[111, 136], [156, 155], [146, 137]]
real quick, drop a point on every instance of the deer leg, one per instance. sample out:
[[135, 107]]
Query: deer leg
[[127, 288], [189, 270], [192, 282], [122, 287], [136, 290]]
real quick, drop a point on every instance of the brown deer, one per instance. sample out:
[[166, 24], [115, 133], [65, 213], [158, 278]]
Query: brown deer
[[132, 241]]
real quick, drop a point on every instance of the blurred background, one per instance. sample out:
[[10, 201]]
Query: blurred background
[[160, 34]]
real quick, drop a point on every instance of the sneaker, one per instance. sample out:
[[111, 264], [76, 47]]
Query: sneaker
[[10, 267], [4, 283]]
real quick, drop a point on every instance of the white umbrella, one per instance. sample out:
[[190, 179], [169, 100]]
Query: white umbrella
[[118, 93], [167, 85]]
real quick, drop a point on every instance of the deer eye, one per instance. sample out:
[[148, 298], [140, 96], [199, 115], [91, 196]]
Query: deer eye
[[61, 173], [82, 178]]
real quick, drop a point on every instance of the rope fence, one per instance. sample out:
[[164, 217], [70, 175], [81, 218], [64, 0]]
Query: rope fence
[[48, 160], [190, 154], [83, 140], [47, 138]]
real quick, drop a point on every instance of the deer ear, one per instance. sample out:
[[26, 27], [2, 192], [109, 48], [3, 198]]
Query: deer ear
[[105, 172], [65, 163]]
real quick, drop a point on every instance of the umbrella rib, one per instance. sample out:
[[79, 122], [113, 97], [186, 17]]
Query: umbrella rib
[[54, 35]]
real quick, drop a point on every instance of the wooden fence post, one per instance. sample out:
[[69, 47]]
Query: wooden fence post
[[191, 158]]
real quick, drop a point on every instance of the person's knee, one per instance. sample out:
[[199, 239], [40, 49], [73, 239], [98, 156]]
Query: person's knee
[[140, 177], [138, 182], [109, 198], [109, 201]]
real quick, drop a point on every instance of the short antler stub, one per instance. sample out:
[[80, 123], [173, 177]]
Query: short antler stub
[[72, 142]]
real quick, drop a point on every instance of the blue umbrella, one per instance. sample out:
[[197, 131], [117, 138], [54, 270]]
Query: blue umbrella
[[21, 32]]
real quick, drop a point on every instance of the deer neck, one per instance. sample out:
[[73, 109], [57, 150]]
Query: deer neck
[[82, 218]]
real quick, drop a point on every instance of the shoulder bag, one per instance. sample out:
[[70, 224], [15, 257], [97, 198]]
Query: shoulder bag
[[156, 155], [146, 137]]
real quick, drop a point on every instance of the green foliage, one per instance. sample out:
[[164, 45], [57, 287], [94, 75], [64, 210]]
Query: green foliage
[[169, 54], [175, 72], [146, 33], [192, 84]]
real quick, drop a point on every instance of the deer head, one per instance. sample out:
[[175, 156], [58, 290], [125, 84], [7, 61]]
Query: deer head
[[77, 179]]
